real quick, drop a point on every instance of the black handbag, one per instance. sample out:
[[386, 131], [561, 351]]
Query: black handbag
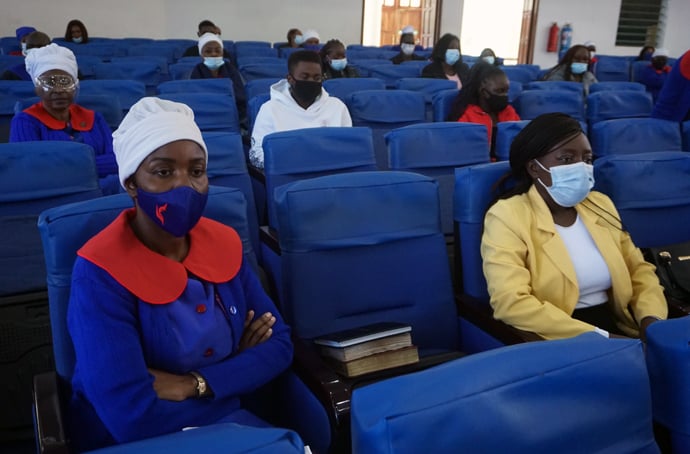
[[673, 268]]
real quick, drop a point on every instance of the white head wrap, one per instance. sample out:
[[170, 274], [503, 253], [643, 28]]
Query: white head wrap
[[660, 52], [308, 34], [207, 38], [150, 124], [589, 44], [407, 30], [52, 56]]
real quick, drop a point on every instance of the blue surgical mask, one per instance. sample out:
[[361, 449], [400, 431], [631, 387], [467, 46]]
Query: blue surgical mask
[[578, 68], [77, 40], [489, 59], [24, 49], [299, 39], [452, 56], [213, 62], [176, 211], [407, 49], [339, 64], [570, 183]]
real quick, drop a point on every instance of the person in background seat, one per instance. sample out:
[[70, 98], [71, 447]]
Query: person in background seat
[[294, 38], [556, 257], [205, 26], [407, 47], [573, 67], [334, 61], [654, 76], [22, 33], [645, 53], [311, 40], [489, 56], [76, 32], [446, 61], [33, 40], [674, 98]]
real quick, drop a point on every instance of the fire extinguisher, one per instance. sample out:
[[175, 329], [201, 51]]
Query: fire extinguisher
[[552, 45], [566, 40]]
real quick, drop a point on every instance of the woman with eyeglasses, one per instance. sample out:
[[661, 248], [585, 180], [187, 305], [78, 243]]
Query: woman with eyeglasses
[[53, 70]]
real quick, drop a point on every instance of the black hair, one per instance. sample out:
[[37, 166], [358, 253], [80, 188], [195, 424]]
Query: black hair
[[38, 39], [488, 50], [205, 23], [537, 139], [479, 73], [329, 46], [291, 34], [80, 24], [644, 50], [403, 35], [566, 61], [441, 46], [300, 56]]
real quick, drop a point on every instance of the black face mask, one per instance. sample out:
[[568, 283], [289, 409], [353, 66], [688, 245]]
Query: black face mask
[[497, 103], [306, 91], [659, 62]]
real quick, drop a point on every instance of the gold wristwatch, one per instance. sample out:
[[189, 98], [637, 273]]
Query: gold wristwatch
[[201, 386]]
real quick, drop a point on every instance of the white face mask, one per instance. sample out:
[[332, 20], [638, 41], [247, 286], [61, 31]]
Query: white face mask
[[407, 49], [570, 183], [213, 62], [489, 59]]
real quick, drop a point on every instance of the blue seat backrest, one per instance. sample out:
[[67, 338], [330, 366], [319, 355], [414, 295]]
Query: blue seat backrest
[[511, 400], [263, 70], [634, 135], [426, 86], [532, 103], [65, 229], [254, 105], [365, 61], [343, 87], [105, 50], [518, 74], [181, 70], [686, 135], [220, 86], [651, 192], [610, 104], [307, 153], [17, 88], [87, 65], [554, 85], [435, 150], [259, 86], [514, 90], [612, 69], [365, 247], [390, 74], [442, 103], [212, 112], [169, 51], [258, 60], [35, 176], [384, 110], [127, 91], [161, 61], [617, 86], [149, 73], [474, 190], [636, 70], [505, 133]]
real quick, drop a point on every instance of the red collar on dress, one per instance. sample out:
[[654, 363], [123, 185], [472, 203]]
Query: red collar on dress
[[215, 255], [81, 119]]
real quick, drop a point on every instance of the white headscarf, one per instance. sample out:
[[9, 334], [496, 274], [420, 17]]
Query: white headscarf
[[308, 34], [150, 124], [207, 38], [52, 56], [660, 52]]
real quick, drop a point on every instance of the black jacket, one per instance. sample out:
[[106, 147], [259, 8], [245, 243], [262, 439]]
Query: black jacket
[[434, 70]]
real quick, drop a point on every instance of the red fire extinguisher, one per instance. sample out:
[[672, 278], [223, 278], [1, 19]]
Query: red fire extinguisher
[[552, 45]]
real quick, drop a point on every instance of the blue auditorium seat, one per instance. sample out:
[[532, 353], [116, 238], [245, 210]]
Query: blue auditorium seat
[[17, 88], [554, 85], [64, 230], [580, 395], [259, 86], [514, 90], [258, 60], [634, 135], [263, 71], [87, 66], [219, 86], [505, 133], [518, 74], [651, 192], [254, 105], [169, 51], [636, 70], [435, 150], [343, 87], [308, 153], [147, 72], [617, 86], [532, 103], [428, 87], [212, 112], [33, 176], [686, 135], [182, 70], [390, 74], [612, 69], [383, 111], [669, 372], [611, 104], [442, 103], [365, 62], [127, 91], [161, 61]]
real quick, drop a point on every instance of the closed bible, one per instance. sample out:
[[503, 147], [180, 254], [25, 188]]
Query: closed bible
[[379, 361]]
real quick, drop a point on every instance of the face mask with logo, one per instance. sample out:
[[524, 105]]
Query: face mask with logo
[[497, 103], [452, 56], [299, 39], [570, 183], [77, 40], [578, 68], [176, 211], [339, 64], [489, 59], [407, 49], [213, 62], [306, 90]]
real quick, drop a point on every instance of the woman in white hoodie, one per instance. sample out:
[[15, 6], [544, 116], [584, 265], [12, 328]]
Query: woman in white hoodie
[[298, 101]]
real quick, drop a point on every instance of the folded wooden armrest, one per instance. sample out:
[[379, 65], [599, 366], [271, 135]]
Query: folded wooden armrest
[[269, 237], [50, 428], [480, 314]]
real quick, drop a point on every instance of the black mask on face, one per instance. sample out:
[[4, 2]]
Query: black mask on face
[[659, 62], [497, 103], [306, 90]]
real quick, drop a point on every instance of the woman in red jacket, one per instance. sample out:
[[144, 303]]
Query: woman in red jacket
[[484, 99]]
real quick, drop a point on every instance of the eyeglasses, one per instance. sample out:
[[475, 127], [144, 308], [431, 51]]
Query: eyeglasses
[[48, 83]]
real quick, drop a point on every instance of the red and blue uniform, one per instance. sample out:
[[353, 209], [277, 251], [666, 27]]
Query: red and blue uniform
[[674, 99]]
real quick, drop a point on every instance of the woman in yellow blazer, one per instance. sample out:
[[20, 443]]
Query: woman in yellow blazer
[[556, 258]]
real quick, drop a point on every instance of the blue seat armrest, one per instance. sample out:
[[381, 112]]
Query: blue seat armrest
[[480, 314], [49, 426]]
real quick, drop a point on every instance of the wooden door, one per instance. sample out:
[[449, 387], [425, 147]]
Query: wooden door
[[397, 14]]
